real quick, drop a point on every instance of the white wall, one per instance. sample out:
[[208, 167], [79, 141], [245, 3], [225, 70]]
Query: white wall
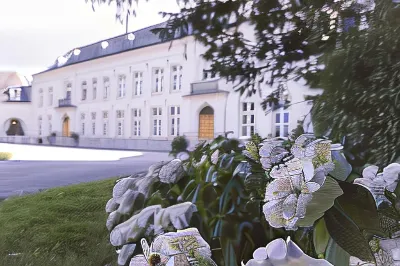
[[226, 105]]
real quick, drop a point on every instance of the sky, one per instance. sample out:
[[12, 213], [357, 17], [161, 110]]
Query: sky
[[34, 33]]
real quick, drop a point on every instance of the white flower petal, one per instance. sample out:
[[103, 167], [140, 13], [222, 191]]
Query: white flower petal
[[311, 187], [277, 249], [370, 172], [297, 257], [266, 150], [260, 254], [294, 166], [273, 212], [266, 162], [278, 189], [279, 172], [302, 202], [289, 207], [391, 174], [319, 177], [308, 170]]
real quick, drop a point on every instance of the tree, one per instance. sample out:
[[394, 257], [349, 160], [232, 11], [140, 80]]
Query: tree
[[322, 42]]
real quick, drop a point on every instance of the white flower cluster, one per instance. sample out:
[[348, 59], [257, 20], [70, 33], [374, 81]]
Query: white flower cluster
[[281, 253], [303, 172]]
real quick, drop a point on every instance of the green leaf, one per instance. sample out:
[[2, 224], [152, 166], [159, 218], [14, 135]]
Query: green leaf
[[352, 177], [358, 203], [342, 167], [322, 200], [320, 237], [347, 234], [336, 255]]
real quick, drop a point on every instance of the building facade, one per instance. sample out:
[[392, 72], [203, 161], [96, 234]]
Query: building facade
[[136, 92], [15, 106]]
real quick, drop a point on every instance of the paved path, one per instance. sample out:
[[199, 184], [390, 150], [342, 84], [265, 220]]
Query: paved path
[[31, 176]]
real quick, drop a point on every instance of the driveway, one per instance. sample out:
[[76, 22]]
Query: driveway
[[33, 170]]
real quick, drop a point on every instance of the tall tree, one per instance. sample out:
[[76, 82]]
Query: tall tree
[[332, 44]]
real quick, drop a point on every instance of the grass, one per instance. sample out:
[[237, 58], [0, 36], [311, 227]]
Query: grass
[[61, 226], [5, 156]]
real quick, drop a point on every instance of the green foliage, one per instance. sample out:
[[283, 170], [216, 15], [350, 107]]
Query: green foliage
[[320, 237], [61, 226], [299, 130], [335, 254], [256, 139], [179, 144], [322, 201], [75, 136], [361, 90], [347, 223], [5, 156]]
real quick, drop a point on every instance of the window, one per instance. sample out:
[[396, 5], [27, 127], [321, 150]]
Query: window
[[248, 119], [138, 81], [157, 117], [175, 113], [15, 94], [83, 124], [84, 91], [93, 115], [50, 124], [106, 91], [207, 74], [136, 114], [50, 96], [282, 124], [68, 91], [105, 123], [158, 80], [94, 87], [41, 98], [120, 122], [40, 125], [121, 86], [176, 78]]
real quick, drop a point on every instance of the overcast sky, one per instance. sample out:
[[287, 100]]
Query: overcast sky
[[34, 33]]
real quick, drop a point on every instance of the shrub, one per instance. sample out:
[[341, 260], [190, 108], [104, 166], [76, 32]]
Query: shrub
[[257, 139], [40, 140], [179, 144], [5, 156], [75, 136]]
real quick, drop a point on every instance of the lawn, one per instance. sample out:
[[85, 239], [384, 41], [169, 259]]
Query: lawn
[[61, 226]]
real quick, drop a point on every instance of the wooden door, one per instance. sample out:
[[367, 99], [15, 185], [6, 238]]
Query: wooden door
[[206, 123], [65, 131]]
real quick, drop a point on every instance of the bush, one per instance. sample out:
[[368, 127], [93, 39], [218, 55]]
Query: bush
[[257, 139], [40, 140], [5, 156], [179, 144], [75, 136]]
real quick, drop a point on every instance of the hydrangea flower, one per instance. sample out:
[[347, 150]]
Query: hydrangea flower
[[288, 195], [377, 183], [281, 253], [175, 247], [303, 173]]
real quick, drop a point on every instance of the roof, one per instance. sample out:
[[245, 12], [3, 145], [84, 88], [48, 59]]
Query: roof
[[11, 78], [119, 44]]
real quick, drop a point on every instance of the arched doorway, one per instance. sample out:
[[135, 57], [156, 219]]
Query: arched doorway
[[206, 123], [15, 128], [65, 127]]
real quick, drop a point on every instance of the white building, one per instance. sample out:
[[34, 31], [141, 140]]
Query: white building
[[135, 91], [15, 105]]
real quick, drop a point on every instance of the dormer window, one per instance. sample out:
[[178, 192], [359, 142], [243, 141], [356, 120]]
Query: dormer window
[[15, 94]]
